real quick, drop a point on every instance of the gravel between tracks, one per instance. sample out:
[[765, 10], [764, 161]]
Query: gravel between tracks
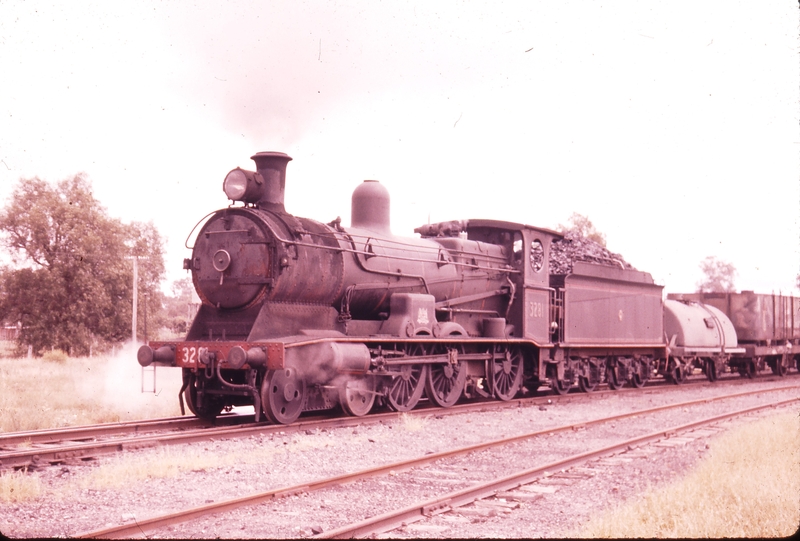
[[65, 509]]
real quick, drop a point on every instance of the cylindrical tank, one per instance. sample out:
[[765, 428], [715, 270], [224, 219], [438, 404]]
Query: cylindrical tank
[[695, 325]]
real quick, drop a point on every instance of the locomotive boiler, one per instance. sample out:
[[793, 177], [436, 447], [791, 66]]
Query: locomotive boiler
[[299, 315]]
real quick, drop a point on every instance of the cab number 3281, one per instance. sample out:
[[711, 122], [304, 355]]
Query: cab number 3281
[[535, 309]]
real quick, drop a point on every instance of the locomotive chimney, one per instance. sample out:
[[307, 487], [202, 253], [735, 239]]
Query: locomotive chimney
[[272, 168], [369, 208]]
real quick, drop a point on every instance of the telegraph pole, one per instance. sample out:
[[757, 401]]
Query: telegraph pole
[[135, 296]]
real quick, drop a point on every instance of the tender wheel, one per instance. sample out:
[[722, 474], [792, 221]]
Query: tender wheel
[[283, 394], [212, 405], [589, 383], [612, 377], [507, 374], [445, 382], [357, 396], [560, 386], [640, 375]]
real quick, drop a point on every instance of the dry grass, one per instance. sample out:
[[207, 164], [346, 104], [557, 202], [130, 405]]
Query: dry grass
[[17, 486], [747, 485], [37, 394], [412, 423]]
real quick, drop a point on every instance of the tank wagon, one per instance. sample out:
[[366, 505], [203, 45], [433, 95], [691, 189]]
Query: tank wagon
[[299, 315], [767, 327]]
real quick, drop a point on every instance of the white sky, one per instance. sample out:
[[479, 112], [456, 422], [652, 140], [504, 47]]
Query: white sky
[[672, 125]]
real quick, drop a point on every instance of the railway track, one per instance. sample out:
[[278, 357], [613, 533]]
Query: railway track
[[52, 447], [472, 473]]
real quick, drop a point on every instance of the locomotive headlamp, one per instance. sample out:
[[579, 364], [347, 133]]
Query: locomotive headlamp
[[242, 185]]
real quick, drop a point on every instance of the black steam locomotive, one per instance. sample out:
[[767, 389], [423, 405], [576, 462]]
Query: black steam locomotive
[[298, 315]]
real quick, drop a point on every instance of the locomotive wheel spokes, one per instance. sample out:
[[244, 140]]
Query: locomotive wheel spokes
[[283, 394], [212, 405], [357, 395], [445, 382], [406, 388], [507, 373]]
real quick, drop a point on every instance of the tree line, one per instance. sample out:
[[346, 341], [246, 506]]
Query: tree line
[[69, 282]]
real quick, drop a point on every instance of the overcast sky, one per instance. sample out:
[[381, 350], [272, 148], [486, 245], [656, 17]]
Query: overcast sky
[[672, 125]]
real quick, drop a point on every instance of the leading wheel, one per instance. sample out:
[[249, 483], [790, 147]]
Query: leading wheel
[[446, 381], [283, 394], [211, 407], [507, 373], [357, 396]]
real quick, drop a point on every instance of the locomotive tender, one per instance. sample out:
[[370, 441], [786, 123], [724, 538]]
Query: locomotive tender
[[298, 315]]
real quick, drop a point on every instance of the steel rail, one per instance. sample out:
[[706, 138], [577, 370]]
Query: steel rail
[[51, 435], [75, 449], [141, 526], [419, 511]]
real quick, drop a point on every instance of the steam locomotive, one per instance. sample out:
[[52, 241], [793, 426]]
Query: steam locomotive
[[299, 315]]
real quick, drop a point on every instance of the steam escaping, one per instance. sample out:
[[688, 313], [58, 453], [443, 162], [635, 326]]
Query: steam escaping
[[124, 380]]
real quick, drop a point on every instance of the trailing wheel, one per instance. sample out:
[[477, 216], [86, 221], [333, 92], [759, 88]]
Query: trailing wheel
[[357, 395], [283, 394], [506, 373], [446, 381], [211, 407]]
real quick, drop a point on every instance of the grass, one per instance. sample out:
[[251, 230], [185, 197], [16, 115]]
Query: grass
[[17, 486], [36, 394], [412, 423], [747, 485]]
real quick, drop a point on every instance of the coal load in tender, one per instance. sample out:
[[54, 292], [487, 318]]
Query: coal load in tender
[[575, 247]]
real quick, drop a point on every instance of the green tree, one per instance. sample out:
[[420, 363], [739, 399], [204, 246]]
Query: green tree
[[179, 308], [70, 285], [718, 276], [583, 226]]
